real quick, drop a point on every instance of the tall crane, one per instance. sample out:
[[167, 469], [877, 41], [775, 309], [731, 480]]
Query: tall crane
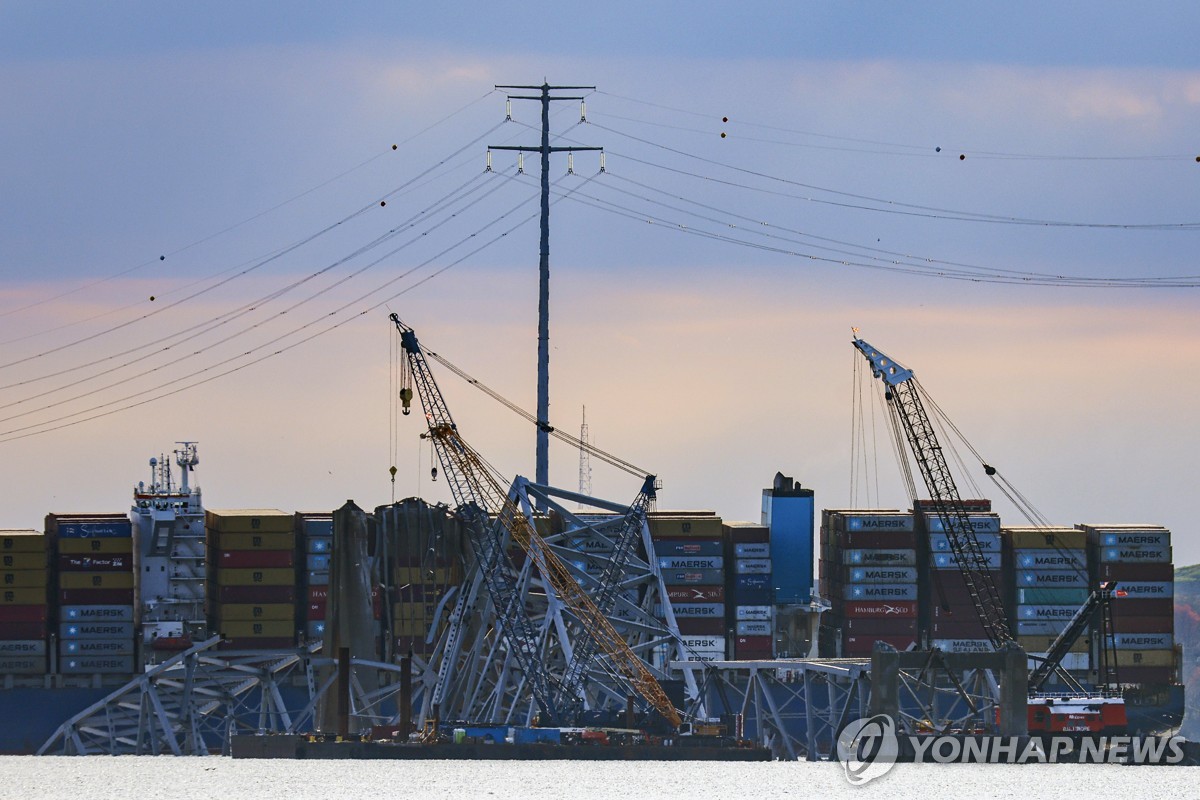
[[478, 492], [905, 400]]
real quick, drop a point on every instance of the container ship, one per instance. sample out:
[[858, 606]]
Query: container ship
[[93, 600]]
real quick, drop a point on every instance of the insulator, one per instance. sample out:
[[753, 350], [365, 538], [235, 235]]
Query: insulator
[[570, 163], [583, 111], [489, 161], [602, 161], [508, 109], [520, 163]]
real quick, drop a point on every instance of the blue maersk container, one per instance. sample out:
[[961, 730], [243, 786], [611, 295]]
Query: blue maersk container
[[787, 510]]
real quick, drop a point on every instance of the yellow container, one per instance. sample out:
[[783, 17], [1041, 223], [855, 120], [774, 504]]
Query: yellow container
[[256, 577], [250, 520], [23, 597], [685, 527], [77, 546], [437, 576], [409, 627], [422, 611], [272, 612], [1041, 644], [1042, 538], [22, 560], [1145, 658], [95, 580], [254, 541], [266, 629], [22, 542], [23, 579]]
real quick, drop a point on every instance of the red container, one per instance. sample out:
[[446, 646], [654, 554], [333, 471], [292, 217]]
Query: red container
[[866, 626], [257, 644], [750, 535], [318, 602], [95, 597], [900, 609], [756, 643], [100, 562], [256, 594], [1145, 674], [696, 594], [1153, 573], [255, 559], [876, 540], [740, 654], [17, 631], [957, 629], [701, 627], [1145, 624], [861, 645], [958, 612], [1124, 609], [36, 613]]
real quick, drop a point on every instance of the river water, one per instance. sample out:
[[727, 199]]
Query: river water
[[148, 778]]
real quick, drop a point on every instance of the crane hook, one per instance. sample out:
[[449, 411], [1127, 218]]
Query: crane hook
[[433, 473], [406, 395]]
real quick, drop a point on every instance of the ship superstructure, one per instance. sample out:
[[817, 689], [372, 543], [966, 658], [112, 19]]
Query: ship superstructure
[[168, 520]]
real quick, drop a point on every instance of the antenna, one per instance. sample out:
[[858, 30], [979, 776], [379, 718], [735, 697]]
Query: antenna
[[187, 457], [585, 459]]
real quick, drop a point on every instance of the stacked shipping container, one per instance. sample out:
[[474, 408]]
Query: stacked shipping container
[[424, 559], [1050, 580], [24, 602], [1138, 558], [751, 590], [689, 555], [252, 578], [868, 571], [96, 576], [951, 620], [316, 541]]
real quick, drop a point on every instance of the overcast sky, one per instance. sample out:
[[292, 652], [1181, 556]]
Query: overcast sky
[[192, 189]]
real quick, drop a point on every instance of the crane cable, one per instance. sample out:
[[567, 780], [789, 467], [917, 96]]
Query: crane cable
[[561, 435]]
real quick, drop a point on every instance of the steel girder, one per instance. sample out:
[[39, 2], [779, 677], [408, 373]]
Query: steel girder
[[486, 683], [797, 707], [193, 703]]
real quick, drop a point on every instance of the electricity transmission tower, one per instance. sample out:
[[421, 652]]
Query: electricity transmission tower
[[542, 474]]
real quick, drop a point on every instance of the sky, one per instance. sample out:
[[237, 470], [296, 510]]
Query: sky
[[209, 212]]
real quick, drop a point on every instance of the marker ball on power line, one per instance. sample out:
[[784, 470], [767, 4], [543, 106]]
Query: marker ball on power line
[[724, 119], [164, 258], [962, 157], [722, 134], [383, 202], [937, 149], [393, 147], [151, 298]]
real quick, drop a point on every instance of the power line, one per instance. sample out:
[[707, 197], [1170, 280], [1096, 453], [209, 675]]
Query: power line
[[933, 151], [66, 421], [249, 219], [197, 352], [898, 267], [889, 206]]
